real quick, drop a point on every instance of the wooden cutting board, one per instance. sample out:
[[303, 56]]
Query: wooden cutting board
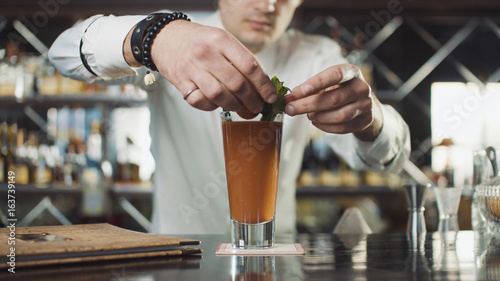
[[43, 245]]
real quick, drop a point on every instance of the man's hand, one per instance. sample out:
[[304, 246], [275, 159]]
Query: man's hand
[[222, 71], [338, 100]]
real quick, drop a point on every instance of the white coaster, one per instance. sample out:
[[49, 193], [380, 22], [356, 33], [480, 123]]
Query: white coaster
[[294, 249]]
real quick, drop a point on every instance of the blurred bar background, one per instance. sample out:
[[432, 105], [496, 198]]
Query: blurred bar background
[[436, 62]]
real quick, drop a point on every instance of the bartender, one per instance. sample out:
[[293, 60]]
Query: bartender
[[224, 61]]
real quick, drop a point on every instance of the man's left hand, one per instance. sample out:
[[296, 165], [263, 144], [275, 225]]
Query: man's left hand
[[338, 100]]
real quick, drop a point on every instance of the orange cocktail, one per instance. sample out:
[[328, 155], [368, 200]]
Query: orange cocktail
[[252, 156], [252, 150]]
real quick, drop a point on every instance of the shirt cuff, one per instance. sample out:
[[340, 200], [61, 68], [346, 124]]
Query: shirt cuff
[[383, 150], [103, 46]]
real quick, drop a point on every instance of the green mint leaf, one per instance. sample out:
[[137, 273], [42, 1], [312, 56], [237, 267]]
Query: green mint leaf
[[269, 111]]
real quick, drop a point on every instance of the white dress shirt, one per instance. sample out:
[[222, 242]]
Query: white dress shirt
[[190, 195]]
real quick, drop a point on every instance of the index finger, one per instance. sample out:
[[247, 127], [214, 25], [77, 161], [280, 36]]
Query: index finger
[[320, 82], [246, 63]]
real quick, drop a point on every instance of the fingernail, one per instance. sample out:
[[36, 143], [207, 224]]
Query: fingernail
[[289, 110], [272, 98]]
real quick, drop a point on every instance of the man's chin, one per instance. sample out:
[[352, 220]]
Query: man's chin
[[253, 47], [256, 43]]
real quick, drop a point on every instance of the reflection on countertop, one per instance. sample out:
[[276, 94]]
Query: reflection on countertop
[[328, 257]]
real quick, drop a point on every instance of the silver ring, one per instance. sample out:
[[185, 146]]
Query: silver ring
[[190, 92]]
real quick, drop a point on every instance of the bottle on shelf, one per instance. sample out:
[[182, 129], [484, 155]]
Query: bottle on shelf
[[95, 201], [8, 71], [43, 173], [81, 159], [32, 156], [19, 164], [94, 145], [7, 148], [55, 162], [128, 169], [69, 168]]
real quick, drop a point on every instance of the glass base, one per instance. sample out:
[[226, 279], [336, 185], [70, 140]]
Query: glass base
[[448, 230], [247, 235]]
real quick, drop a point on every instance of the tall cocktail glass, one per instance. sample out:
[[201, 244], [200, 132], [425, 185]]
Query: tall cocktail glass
[[252, 156]]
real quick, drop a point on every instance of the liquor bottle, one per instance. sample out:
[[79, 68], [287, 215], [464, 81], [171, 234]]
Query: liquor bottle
[[43, 174], [55, 162], [128, 169], [95, 202], [20, 165], [7, 148], [32, 156], [94, 145], [69, 168], [81, 160]]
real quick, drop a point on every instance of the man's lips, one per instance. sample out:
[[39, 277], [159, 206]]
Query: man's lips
[[259, 25]]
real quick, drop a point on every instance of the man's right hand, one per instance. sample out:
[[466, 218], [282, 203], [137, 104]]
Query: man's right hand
[[212, 61]]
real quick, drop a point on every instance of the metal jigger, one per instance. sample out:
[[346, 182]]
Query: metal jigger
[[415, 194]]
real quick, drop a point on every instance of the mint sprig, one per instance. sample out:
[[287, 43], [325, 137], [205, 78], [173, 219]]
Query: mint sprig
[[269, 111]]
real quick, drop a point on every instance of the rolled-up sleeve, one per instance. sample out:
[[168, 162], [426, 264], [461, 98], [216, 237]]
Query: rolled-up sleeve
[[386, 154], [391, 149], [102, 40]]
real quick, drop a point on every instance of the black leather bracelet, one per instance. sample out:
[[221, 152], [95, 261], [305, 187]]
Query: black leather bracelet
[[138, 34], [145, 32]]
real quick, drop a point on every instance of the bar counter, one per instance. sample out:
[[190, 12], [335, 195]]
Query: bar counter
[[328, 257]]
